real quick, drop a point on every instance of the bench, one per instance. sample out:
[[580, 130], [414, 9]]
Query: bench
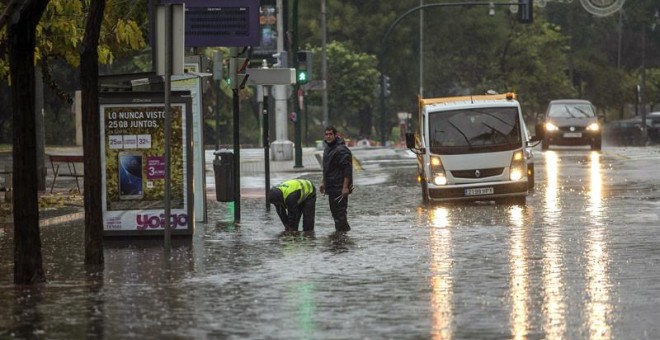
[[56, 162]]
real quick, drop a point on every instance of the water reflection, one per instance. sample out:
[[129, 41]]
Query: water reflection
[[303, 294], [94, 305], [599, 307], [552, 187], [519, 274], [595, 188], [28, 322], [441, 265], [554, 302]]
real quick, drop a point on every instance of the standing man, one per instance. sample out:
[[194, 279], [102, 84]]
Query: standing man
[[294, 199], [337, 179]]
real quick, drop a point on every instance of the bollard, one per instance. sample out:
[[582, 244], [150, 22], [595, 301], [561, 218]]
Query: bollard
[[223, 168]]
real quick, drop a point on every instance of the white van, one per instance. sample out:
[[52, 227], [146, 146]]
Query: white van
[[472, 148]]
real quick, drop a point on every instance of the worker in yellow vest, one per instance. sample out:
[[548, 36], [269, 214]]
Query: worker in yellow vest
[[294, 199]]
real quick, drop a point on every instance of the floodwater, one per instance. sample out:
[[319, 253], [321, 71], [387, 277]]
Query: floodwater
[[579, 261]]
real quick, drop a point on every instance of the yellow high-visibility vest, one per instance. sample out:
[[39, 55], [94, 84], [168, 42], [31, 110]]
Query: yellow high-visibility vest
[[290, 186]]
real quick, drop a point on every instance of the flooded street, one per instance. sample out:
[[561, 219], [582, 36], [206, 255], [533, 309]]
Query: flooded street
[[580, 260]]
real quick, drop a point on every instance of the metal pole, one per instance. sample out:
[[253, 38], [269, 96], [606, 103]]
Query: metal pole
[[421, 49], [217, 75], [643, 89], [297, 138], [266, 143], [168, 122], [382, 107], [237, 150], [217, 114], [324, 63]]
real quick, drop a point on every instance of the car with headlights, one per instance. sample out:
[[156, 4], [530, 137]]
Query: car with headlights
[[570, 122]]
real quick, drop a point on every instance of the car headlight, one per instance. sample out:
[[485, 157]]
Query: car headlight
[[593, 127], [550, 127]]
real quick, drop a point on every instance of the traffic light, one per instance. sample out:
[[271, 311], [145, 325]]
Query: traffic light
[[386, 86], [525, 13], [304, 67]]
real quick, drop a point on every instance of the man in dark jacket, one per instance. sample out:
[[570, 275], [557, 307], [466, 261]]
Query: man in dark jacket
[[294, 199], [337, 181]]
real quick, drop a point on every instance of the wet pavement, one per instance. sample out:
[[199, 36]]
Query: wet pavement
[[580, 260]]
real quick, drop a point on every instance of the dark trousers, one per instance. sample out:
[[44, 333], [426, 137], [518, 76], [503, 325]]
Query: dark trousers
[[338, 207], [307, 210]]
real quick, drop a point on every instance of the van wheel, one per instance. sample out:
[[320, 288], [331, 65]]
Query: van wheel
[[545, 144], [596, 146], [530, 176]]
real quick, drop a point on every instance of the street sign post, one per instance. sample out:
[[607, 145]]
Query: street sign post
[[271, 76]]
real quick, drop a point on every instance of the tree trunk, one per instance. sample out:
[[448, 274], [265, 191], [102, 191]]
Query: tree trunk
[[89, 75], [366, 121], [28, 267]]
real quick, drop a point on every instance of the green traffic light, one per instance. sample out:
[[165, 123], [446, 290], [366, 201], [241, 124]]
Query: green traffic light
[[302, 77]]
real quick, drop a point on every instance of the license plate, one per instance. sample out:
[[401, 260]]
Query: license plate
[[573, 135], [479, 191]]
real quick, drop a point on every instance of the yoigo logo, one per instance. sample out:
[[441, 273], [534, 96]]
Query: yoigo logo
[[147, 221]]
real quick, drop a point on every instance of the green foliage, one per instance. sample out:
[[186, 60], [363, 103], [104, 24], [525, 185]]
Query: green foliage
[[62, 27], [353, 82], [59, 35], [566, 52]]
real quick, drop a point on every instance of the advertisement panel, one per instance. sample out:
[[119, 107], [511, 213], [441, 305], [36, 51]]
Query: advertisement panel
[[133, 164]]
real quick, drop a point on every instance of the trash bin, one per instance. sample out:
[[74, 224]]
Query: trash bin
[[223, 167]]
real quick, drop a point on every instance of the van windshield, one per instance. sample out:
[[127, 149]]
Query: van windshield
[[474, 130]]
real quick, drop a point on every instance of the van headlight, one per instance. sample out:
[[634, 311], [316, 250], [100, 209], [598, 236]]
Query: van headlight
[[440, 179], [593, 127], [517, 168], [438, 171]]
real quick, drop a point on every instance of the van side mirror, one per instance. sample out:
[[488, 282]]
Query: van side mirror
[[410, 140]]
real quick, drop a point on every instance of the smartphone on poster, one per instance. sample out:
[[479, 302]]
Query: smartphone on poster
[[130, 175]]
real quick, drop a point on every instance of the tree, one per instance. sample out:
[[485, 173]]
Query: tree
[[28, 266], [565, 52], [353, 82], [58, 37], [89, 71]]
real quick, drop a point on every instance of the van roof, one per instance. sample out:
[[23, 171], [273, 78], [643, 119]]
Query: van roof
[[484, 97]]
